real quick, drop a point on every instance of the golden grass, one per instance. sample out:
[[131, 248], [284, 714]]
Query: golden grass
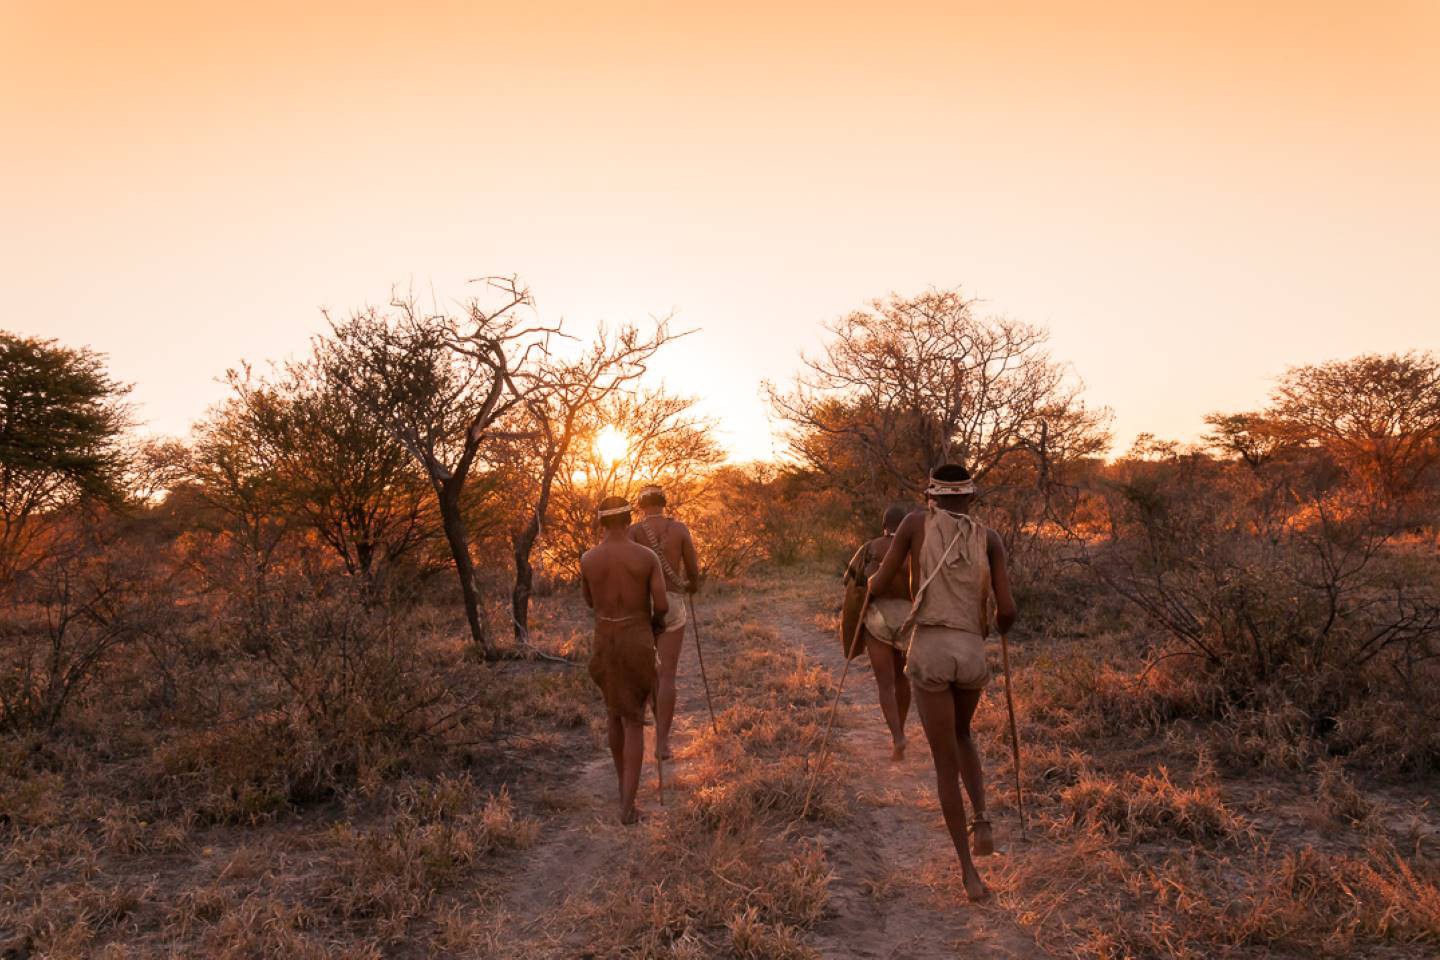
[[1252, 847], [726, 869], [1150, 807], [1161, 825]]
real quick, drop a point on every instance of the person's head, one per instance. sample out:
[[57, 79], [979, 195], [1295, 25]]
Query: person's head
[[951, 488], [893, 515], [651, 498], [614, 513]]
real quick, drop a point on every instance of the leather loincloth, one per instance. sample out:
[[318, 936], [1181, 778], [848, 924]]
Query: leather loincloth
[[622, 664]]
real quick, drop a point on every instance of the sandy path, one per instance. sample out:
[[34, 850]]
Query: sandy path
[[894, 893], [582, 839]]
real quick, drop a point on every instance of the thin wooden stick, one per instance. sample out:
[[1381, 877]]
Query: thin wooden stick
[[1014, 735], [695, 623], [835, 706], [659, 761]]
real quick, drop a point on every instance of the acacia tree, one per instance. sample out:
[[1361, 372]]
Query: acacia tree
[[61, 416], [1256, 438], [440, 384], [1378, 414], [233, 477], [666, 443], [913, 382], [156, 467], [565, 396], [336, 466]]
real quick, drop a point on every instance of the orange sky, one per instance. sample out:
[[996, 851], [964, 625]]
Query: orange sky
[[1190, 196]]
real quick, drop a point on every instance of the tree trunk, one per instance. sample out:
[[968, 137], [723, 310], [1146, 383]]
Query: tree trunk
[[524, 542], [454, 524]]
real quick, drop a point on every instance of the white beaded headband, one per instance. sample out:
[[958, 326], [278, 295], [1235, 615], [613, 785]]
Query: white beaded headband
[[949, 488]]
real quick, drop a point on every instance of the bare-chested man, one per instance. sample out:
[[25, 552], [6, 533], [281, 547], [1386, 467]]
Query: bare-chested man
[[671, 542], [885, 638], [958, 563], [625, 587]]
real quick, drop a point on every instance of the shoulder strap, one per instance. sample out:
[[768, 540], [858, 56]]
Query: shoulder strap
[[659, 552]]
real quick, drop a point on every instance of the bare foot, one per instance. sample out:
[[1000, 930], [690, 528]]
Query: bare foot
[[897, 752], [984, 840], [632, 816], [975, 889], [662, 752]]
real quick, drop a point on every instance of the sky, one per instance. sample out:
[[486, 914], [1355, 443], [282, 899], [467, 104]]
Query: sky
[[1191, 197]]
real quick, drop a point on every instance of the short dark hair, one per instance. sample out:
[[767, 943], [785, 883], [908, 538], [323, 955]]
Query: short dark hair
[[653, 499], [893, 515], [950, 473], [618, 520]]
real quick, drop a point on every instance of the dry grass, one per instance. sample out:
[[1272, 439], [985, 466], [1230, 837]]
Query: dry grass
[[124, 837], [727, 869], [1164, 825], [1151, 807]]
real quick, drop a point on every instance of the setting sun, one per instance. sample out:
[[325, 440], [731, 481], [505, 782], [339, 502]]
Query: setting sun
[[611, 445], [421, 424]]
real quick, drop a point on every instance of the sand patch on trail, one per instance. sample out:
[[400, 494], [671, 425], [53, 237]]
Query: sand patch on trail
[[727, 867]]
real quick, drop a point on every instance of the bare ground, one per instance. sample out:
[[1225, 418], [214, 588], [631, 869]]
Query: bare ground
[[893, 891], [1146, 839]]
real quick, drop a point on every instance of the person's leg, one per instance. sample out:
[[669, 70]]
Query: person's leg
[[634, 759], [882, 661], [937, 716], [615, 733], [902, 687], [970, 770], [668, 646]]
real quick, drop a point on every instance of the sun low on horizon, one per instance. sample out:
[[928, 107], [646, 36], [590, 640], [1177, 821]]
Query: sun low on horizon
[[1189, 198], [611, 445], [785, 480]]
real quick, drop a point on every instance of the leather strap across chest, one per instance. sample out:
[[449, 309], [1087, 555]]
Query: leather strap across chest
[[655, 545]]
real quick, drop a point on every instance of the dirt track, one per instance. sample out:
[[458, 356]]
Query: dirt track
[[894, 891]]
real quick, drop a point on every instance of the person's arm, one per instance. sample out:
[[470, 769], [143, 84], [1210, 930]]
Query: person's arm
[[1000, 581], [585, 586], [895, 556], [692, 562]]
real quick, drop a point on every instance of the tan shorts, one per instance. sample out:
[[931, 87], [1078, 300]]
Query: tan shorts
[[884, 618], [676, 617], [942, 657]]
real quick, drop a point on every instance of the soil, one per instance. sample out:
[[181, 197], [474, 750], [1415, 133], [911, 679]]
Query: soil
[[895, 890]]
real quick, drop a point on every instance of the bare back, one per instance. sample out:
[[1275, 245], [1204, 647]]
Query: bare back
[[676, 546], [622, 579]]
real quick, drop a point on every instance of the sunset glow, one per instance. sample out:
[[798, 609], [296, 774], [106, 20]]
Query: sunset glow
[[611, 445], [1189, 196], [791, 479]]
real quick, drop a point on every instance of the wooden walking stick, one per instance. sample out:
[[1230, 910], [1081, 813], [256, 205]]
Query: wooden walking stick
[[1014, 735], [659, 760], [695, 623], [835, 706]]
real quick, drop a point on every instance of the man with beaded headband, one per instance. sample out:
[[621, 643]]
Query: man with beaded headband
[[958, 565], [670, 540], [624, 585]]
